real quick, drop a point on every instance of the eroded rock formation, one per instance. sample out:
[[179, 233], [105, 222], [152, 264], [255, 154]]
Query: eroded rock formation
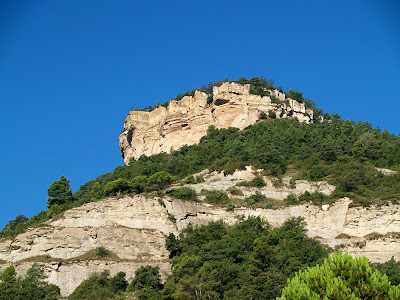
[[185, 122], [134, 228]]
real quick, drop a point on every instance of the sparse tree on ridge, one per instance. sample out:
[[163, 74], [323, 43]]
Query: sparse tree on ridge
[[59, 192]]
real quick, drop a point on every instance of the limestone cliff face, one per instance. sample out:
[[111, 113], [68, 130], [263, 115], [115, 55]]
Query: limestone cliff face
[[135, 227], [186, 121]]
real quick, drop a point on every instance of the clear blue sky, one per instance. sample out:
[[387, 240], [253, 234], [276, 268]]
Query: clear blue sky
[[71, 70]]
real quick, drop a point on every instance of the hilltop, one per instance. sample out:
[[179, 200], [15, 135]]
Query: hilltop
[[225, 153]]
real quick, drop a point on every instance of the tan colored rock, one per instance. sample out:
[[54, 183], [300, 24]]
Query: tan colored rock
[[135, 227], [69, 275], [186, 121]]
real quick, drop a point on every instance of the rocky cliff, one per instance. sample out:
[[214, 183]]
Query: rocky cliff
[[185, 122], [134, 229]]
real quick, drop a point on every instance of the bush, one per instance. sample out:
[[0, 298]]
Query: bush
[[117, 187], [262, 116], [256, 198], [298, 96], [271, 114], [184, 193], [100, 286], [189, 180], [161, 179], [231, 206], [317, 198], [235, 191], [291, 199], [257, 181], [32, 286], [216, 197], [102, 252], [139, 184], [317, 172], [146, 278]]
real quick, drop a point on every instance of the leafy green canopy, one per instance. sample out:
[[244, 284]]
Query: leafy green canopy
[[248, 260], [342, 152], [100, 286], [31, 286], [340, 277]]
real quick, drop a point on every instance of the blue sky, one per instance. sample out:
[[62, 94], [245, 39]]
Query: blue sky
[[71, 70]]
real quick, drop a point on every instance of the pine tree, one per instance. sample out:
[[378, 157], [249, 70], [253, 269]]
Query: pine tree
[[59, 192], [340, 277]]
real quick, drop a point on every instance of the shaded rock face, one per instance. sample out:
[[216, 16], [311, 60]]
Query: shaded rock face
[[135, 227], [186, 121]]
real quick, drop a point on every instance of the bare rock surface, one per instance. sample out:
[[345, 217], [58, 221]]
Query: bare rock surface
[[134, 228], [186, 121]]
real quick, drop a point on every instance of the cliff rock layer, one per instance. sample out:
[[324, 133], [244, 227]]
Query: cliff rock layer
[[185, 122], [134, 229]]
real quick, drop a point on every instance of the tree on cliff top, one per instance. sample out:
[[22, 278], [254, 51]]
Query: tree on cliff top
[[59, 192]]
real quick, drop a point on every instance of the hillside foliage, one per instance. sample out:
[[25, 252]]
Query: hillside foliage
[[32, 286], [342, 152], [340, 277], [250, 260]]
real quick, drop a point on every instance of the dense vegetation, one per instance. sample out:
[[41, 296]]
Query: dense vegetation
[[30, 287], [340, 277], [340, 151], [248, 260]]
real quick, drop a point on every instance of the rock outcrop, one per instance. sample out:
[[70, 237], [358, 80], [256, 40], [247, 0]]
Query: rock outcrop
[[134, 228], [186, 121]]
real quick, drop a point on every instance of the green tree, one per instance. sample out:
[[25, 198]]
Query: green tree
[[31, 287], [59, 192], [161, 179], [340, 277], [117, 187], [147, 283], [100, 286], [139, 184]]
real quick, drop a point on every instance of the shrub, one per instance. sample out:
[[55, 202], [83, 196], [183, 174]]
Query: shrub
[[146, 277], [117, 187], [316, 197], [262, 116], [235, 191], [139, 184], [291, 199], [271, 114], [231, 206], [256, 198], [257, 181], [102, 252], [100, 286], [161, 179], [216, 197], [298, 96], [317, 172], [184, 193]]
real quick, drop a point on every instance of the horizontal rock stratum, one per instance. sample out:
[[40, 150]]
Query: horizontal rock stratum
[[186, 121], [134, 228]]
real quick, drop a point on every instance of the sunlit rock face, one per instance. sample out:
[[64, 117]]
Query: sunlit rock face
[[135, 227], [185, 122]]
